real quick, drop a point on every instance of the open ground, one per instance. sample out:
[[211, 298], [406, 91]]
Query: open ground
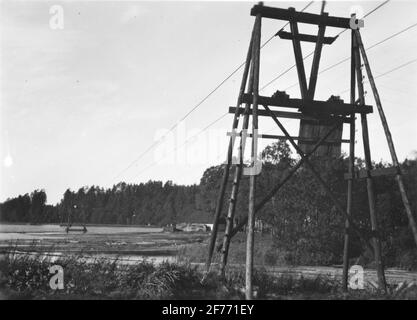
[[27, 246]]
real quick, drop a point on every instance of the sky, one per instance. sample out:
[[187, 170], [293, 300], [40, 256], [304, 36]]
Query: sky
[[79, 104]]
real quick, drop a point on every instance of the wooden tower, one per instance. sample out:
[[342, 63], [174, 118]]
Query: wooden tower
[[72, 224], [321, 125]]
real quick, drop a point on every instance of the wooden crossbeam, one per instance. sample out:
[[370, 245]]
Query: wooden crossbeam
[[362, 174], [304, 37], [329, 107], [302, 17], [305, 140], [292, 115]]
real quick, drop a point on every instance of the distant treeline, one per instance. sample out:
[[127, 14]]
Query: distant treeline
[[152, 203], [302, 217]]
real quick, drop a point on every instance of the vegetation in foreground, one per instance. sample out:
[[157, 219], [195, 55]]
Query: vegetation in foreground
[[28, 277]]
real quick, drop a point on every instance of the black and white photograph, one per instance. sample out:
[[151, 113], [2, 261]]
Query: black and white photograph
[[226, 152]]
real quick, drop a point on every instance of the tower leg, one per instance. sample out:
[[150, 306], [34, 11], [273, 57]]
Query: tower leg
[[349, 204], [371, 198], [369, 182], [390, 142], [252, 179], [226, 171], [351, 171], [232, 204], [239, 168]]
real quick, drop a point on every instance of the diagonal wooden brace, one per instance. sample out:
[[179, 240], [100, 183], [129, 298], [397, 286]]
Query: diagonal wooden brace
[[293, 170], [320, 179]]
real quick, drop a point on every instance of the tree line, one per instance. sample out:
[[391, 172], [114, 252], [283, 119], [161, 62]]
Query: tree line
[[302, 218]]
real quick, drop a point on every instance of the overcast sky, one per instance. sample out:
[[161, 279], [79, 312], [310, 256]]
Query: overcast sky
[[80, 104]]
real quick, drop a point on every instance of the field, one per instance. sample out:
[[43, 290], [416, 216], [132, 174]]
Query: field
[[102, 263], [127, 243]]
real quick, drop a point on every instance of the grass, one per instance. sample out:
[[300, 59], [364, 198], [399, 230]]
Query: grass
[[27, 277], [24, 276]]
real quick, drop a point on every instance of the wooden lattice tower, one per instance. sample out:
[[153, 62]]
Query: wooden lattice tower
[[321, 125], [74, 221]]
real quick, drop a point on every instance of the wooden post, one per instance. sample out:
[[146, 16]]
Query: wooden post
[[351, 169], [231, 213], [390, 141], [233, 196], [226, 171], [236, 179], [369, 182], [316, 61], [298, 57], [69, 220], [252, 179]]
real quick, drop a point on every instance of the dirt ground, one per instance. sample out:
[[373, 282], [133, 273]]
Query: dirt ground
[[127, 243]]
